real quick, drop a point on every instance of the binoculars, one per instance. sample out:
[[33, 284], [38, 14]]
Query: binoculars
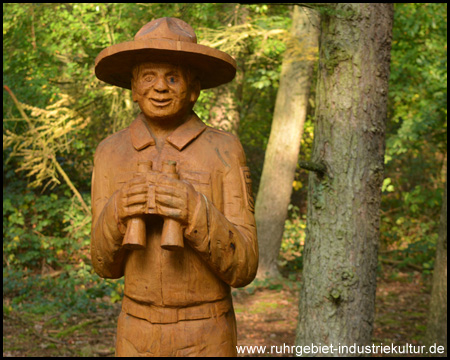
[[172, 234]]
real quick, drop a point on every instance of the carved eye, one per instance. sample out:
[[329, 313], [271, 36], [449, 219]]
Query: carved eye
[[148, 78], [172, 79]]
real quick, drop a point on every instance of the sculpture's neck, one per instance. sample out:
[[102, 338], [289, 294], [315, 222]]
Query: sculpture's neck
[[161, 128]]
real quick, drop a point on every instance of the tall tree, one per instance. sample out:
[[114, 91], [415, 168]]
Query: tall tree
[[340, 257], [437, 321], [281, 157]]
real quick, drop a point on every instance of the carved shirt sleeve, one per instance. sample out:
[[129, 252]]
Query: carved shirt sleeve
[[227, 241], [108, 256]]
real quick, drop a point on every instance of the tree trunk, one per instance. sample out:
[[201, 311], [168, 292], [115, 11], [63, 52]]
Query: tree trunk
[[281, 156], [340, 258], [437, 321]]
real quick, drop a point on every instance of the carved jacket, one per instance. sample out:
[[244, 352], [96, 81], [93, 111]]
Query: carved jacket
[[220, 244]]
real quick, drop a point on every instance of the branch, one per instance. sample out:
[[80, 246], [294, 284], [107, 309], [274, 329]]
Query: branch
[[397, 262], [319, 168], [19, 106], [72, 187]]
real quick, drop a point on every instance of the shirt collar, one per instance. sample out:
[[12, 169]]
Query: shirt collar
[[179, 139]]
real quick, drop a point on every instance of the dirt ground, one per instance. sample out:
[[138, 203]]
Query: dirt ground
[[266, 316]]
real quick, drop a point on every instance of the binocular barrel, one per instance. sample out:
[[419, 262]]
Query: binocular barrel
[[172, 234], [136, 237]]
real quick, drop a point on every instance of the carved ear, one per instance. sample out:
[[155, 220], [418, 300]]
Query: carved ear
[[195, 92], [133, 92], [134, 75]]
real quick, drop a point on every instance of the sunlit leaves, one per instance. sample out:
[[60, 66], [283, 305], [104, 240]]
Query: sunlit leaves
[[387, 185], [49, 134]]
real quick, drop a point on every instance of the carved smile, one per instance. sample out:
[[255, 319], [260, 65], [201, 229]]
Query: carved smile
[[160, 102]]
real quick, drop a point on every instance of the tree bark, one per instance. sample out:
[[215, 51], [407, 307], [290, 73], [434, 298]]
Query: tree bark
[[437, 321], [340, 257], [281, 156]]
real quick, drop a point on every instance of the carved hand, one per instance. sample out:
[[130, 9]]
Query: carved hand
[[131, 199], [174, 198]]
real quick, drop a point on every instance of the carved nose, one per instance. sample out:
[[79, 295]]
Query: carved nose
[[160, 85]]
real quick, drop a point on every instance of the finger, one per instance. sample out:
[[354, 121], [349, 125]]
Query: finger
[[134, 210], [141, 179], [171, 212], [136, 199], [170, 191], [170, 201], [137, 189]]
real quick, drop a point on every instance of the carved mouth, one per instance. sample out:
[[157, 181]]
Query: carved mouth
[[160, 102]]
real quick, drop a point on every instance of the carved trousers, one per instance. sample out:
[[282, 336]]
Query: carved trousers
[[211, 337]]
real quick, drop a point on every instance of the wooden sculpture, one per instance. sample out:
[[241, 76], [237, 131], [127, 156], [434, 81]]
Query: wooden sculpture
[[171, 200]]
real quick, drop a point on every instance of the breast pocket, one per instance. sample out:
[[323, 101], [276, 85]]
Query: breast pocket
[[200, 180]]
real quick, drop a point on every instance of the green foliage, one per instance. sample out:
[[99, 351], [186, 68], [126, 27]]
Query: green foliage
[[290, 258], [65, 295], [32, 231], [46, 262], [416, 141], [418, 81]]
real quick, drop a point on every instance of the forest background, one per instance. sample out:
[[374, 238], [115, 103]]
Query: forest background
[[62, 112]]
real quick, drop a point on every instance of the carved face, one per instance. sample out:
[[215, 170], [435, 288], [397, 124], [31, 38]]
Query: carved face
[[164, 90]]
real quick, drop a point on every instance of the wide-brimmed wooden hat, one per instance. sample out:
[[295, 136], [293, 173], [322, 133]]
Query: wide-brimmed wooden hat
[[164, 40]]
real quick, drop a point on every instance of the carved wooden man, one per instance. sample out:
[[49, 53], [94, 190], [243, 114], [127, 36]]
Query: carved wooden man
[[171, 200]]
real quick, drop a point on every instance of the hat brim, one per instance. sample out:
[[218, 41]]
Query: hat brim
[[114, 64]]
